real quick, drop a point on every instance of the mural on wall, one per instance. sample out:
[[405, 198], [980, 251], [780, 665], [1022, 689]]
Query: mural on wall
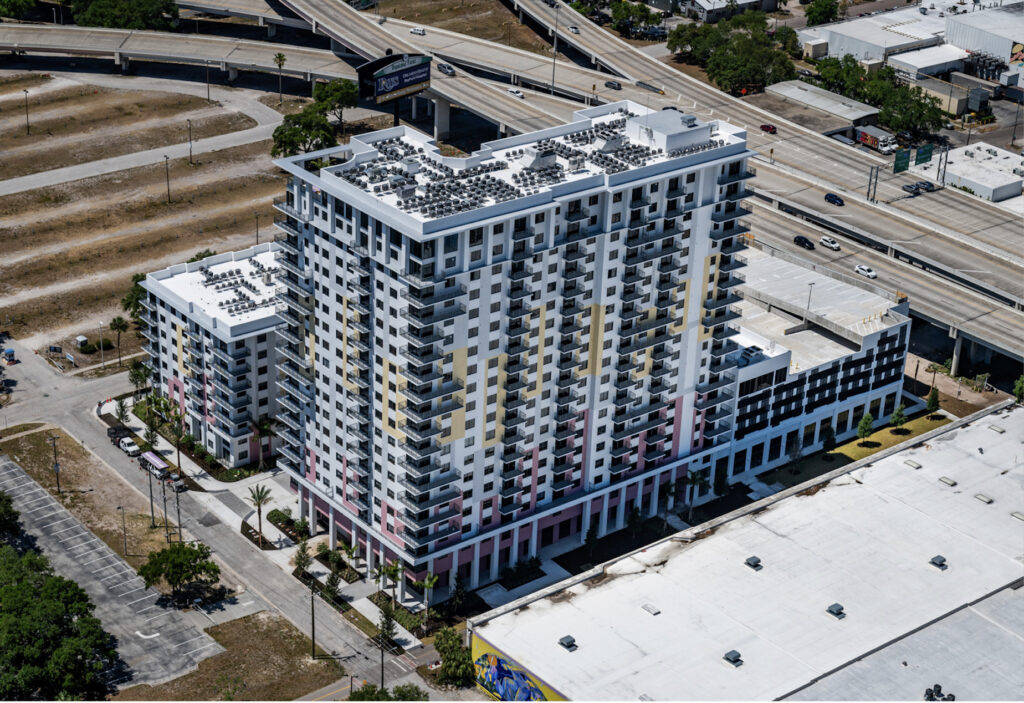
[[1017, 56], [505, 680]]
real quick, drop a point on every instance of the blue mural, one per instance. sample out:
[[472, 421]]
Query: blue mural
[[505, 681]]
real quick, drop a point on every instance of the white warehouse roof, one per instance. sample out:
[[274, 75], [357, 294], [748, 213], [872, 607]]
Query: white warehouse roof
[[877, 36], [820, 99], [934, 59], [863, 540]]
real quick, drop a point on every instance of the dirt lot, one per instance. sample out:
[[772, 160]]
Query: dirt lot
[[131, 343], [485, 19], [91, 492], [266, 659]]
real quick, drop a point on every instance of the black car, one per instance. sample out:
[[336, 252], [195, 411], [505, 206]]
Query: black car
[[614, 85], [446, 69], [912, 189], [926, 186], [802, 241], [116, 432]]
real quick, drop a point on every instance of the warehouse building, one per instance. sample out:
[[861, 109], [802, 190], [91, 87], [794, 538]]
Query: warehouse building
[[212, 335], [874, 582], [983, 170], [995, 33], [932, 61], [876, 36], [841, 114], [714, 10]]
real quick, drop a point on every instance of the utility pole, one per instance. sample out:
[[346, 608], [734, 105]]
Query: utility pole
[[167, 525], [380, 641], [124, 530], [103, 356], [207, 81], [312, 617], [1016, 119], [177, 507], [554, 48], [810, 289], [52, 439], [257, 229], [189, 142], [152, 514], [28, 128], [167, 173]]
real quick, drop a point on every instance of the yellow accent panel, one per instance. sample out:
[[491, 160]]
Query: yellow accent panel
[[459, 359], [390, 426], [543, 312], [499, 417], [181, 358], [310, 345], [705, 332]]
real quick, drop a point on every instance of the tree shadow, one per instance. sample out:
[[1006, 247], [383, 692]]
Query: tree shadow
[[869, 444]]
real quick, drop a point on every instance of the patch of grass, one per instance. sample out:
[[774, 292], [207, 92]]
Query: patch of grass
[[23, 427], [265, 658]]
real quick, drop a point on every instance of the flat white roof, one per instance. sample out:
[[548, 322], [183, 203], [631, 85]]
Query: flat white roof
[[1006, 21], [887, 30], [986, 164], [821, 99], [928, 57], [863, 540]]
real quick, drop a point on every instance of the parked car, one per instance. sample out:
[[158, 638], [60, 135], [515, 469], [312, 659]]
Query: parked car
[[829, 243], [177, 485], [865, 271], [910, 188], [574, 29], [418, 31], [834, 199], [614, 85], [804, 72], [128, 446], [446, 69], [770, 128], [516, 93], [116, 432], [802, 241], [926, 186]]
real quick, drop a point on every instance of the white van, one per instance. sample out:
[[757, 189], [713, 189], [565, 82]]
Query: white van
[[129, 447]]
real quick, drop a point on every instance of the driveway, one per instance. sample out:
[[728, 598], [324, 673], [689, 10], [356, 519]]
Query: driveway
[[156, 643]]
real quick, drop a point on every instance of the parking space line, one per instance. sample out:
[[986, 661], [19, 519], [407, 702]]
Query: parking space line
[[73, 527], [166, 612], [96, 559], [10, 485], [108, 566], [199, 637], [199, 648], [145, 609], [57, 522], [133, 590], [116, 574], [45, 506], [71, 537], [43, 495], [139, 600]]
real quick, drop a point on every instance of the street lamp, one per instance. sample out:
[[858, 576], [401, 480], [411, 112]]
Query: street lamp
[[810, 289], [257, 229], [207, 81], [189, 142], [103, 360], [52, 439], [167, 173], [124, 530], [28, 128]]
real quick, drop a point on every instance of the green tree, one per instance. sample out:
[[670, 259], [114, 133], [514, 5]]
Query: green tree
[[456, 660], [335, 97], [828, 440], [369, 692], [259, 496], [332, 585], [306, 131], [865, 427], [822, 12], [262, 429], [180, 565], [932, 405], [428, 584], [898, 419], [395, 570], [634, 520], [53, 647], [590, 541], [16, 8], [9, 517], [121, 411], [126, 14], [176, 430], [138, 375], [1018, 389], [150, 435], [789, 41], [279, 61], [131, 303], [386, 624], [409, 692], [303, 559], [202, 254], [119, 325], [458, 597], [695, 481]]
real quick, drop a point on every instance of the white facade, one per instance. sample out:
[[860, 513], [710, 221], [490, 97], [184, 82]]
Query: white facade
[[212, 336], [514, 346], [714, 10], [879, 35], [997, 32]]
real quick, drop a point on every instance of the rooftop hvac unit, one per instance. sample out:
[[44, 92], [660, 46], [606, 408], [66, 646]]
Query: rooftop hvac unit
[[733, 657], [754, 563], [569, 642], [836, 610], [939, 562]]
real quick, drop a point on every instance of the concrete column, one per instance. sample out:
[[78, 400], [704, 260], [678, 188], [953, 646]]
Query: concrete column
[[453, 572], [415, 102], [332, 530], [401, 585], [671, 494], [494, 557], [654, 496], [371, 556], [620, 518], [586, 522], [271, 30], [515, 546], [312, 515], [533, 539], [474, 568], [442, 113], [602, 525], [954, 369], [232, 74], [124, 64]]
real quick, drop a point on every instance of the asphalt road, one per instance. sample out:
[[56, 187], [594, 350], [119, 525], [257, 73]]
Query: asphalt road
[[156, 642]]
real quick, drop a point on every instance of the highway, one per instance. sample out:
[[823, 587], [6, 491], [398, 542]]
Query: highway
[[931, 297]]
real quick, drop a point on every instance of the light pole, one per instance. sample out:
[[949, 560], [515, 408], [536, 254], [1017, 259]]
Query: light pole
[[257, 229], [124, 530], [189, 142], [28, 128], [810, 289], [52, 439], [54, 14], [177, 506], [152, 513], [103, 360], [554, 47], [207, 81], [167, 174], [167, 524]]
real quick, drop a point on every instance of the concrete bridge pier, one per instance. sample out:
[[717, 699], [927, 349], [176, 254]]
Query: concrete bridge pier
[[232, 74], [121, 61], [442, 115], [954, 368], [271, 27]]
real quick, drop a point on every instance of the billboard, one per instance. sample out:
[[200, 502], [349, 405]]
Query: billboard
[[403, 76]]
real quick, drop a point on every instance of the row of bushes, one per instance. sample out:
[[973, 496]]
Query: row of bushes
[[297, 530], [93, 347], [409, 620], [333, 560]]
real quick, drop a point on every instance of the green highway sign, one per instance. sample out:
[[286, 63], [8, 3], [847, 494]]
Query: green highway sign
[[924, 154], [902, 161]]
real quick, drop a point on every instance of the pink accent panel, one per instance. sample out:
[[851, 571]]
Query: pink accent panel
[[586, 433], [442, 564], [465, 556], [384, 526], [677, 427], [533, 474], [311, 464], [175, 387], [641, 450], [321, 506], [486, 547], [206, 402], [495, 512]]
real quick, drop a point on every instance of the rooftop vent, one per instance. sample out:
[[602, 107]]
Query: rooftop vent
[[754, 563], [984, 498], [836, 610], [912, 464], [947, 480], [569, 642], [733, 657], [652, 609], [939, 562]]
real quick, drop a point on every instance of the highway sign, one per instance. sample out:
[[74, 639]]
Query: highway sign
[[924, 154], [902, 161]]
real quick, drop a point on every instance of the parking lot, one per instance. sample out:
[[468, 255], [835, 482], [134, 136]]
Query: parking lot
[[156, 642]]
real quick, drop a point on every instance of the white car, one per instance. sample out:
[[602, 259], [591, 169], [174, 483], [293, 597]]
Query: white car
[[516, 93], [418, 30], [129, 447], [865, 271], [574, 29], [829, 243]]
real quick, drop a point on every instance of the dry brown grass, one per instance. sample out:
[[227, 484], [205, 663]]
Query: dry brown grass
[[266, 658], [484, 19], [91, 492], [23, 427], [21, 81], [131, 343], [291, 105], [61, 309]]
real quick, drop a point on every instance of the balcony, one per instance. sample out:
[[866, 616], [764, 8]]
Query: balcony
[[720, 318], [520, 235], [644, 343], [419, 503], [425, 316], [416, 541], [230, 356], [727, 214], [651, 254], [300, 303], [572, 290], [421, 431], [421, 354], [300, 360], [517, 311], [628, 431], [574, 254], [288, 208], [739, 175], [721, 349], [439, 295], [725, 332], [731, 281], [293, 284], [294, 389], [292, 456], [288, 240], [419, 488], [736, 246], [230, 385], [417, 520], [421, 336], [288, 419], [425, 395], [720, 382], [291, 437], [719, 429], [291, 264], [519, 290], [738, 194], [721, 301], [707, 403], [723, 364], [641, 237], [420, 450], [417, 374]]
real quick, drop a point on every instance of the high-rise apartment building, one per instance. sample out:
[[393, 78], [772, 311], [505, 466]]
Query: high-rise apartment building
[[212, 336], [484, 355]]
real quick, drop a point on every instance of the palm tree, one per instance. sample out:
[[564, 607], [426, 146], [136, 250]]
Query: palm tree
[[379, 574], [121, 411], [119, 325], [138, 376], [427, 584], [279, 61], [259, 496], [176, 429], [150, 435], [394, 572]]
